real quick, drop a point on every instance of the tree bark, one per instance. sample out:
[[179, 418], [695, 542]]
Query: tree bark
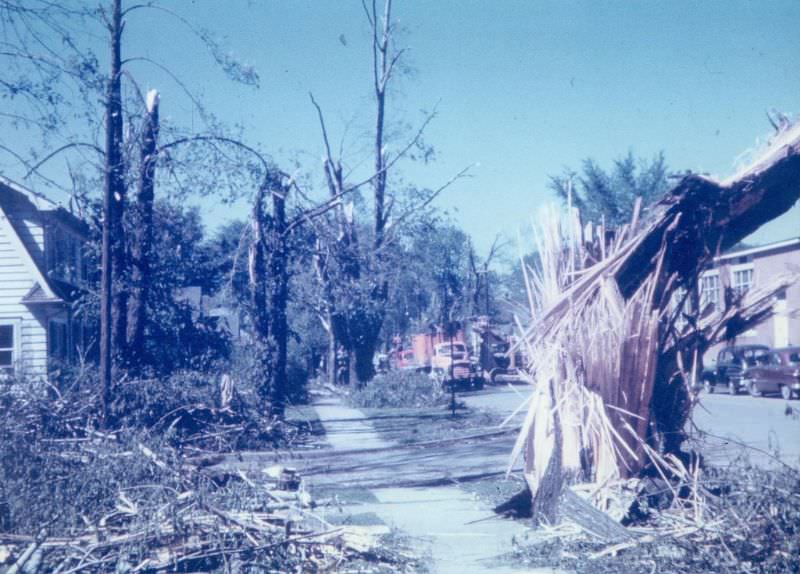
[[119, 262], [331, 357], [143, 236], [279, 301], [257, 279], [113, 205]]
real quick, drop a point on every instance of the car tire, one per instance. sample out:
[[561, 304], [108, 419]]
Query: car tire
[[786, 392], [708, 387], [752, 387]]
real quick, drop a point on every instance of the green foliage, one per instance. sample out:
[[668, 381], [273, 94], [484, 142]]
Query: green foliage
[[610, 195], [432, 282], [179, 335], [399, 389]]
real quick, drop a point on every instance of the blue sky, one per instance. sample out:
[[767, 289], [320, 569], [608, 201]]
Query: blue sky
[[524, 88]]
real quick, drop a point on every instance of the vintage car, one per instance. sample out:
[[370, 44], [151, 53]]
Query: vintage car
[[731, 362], [775, 372]]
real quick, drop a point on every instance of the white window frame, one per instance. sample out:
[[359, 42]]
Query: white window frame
[[739, 268], [16, 350], [703, 301]]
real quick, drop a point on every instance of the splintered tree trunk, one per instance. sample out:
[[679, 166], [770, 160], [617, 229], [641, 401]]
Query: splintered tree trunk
[[113, 204], [544, 503], [279, 280], [704, 218], [622, 390], [257, 279], [143, 236]]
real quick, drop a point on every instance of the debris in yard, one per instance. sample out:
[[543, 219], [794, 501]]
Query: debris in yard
[[183, 523], [155, 499], [408, 389], [748, 521], [614, 350]]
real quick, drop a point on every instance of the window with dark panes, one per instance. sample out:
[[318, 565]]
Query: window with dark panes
[[6, 346], [58, 340]]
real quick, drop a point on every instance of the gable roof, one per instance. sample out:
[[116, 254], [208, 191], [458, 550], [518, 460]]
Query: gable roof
[[39, 295], [45, 289]]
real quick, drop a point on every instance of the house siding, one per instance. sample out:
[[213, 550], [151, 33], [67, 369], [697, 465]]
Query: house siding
[[15, 282]]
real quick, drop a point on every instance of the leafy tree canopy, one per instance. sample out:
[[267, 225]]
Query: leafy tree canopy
[[610, 195]]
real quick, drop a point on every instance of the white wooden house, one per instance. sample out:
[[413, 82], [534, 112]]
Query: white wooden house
[[42, 271]]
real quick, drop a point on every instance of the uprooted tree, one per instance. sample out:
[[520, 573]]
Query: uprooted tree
[[613, 347]]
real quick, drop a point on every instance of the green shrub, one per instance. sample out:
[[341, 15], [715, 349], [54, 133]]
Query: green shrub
[[399, 389]]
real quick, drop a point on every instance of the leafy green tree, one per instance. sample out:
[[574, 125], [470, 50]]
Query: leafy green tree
[[432, 280], [610, 195]]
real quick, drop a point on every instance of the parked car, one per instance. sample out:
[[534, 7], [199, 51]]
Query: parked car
[[731, 362], [776, 372], [452, 366]]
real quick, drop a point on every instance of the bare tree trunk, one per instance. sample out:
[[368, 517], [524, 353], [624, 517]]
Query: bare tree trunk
[[113, 198], [119, 263], [326, 316], [257, 275], [143, 235], [382, 73], [331, 360], [366, 339], [279, 300], [364, 353]]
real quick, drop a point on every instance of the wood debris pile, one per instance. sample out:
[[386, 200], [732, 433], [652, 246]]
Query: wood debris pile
[[616, 333], [746, 519], [147, 498], [185, 521]]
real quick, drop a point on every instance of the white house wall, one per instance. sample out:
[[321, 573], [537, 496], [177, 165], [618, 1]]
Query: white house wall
[[15, 282]]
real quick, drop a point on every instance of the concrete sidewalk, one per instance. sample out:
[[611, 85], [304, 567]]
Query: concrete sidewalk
[[346, 428], [454, 528]]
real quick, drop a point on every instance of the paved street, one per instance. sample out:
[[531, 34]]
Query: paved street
[[759, 423], [730, 423]]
